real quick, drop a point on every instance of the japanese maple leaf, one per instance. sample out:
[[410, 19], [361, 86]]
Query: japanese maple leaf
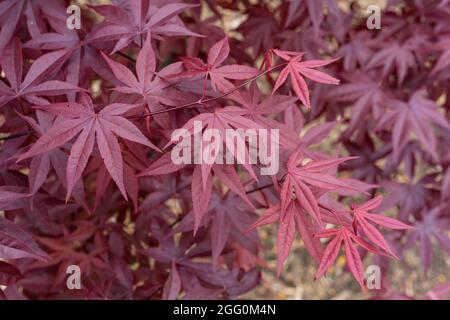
[[356, 52], [410, 197], [153, 87], [417, 115], [392, 56], [260, 28], [145, 69], [297, 69], [82, 56], [222, 119], [293, 220], [362, 220], [15, 243], [434, 224], [213, 70], [90, 126], [149, 84], [300, 179], [343, 236], [365, 95], [33, 84], [316, 13], [127, 26]]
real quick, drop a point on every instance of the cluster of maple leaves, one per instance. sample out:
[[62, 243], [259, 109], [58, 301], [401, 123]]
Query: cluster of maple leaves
[[87, 115]]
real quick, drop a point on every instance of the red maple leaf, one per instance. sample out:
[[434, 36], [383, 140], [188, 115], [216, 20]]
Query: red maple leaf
[[362, 219], [127, 26], [417, 115], [298, 69], [90, 126], [214, 70], [34, 83], [342, 235], [300, 179]]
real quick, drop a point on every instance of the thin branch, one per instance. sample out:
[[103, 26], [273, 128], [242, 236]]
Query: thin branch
[[267, 185], [259, 188], [16, 135], [176, 221], [201, 101], [126, 56]]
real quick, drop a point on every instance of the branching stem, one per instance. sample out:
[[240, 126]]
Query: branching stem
[[201, 101]]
